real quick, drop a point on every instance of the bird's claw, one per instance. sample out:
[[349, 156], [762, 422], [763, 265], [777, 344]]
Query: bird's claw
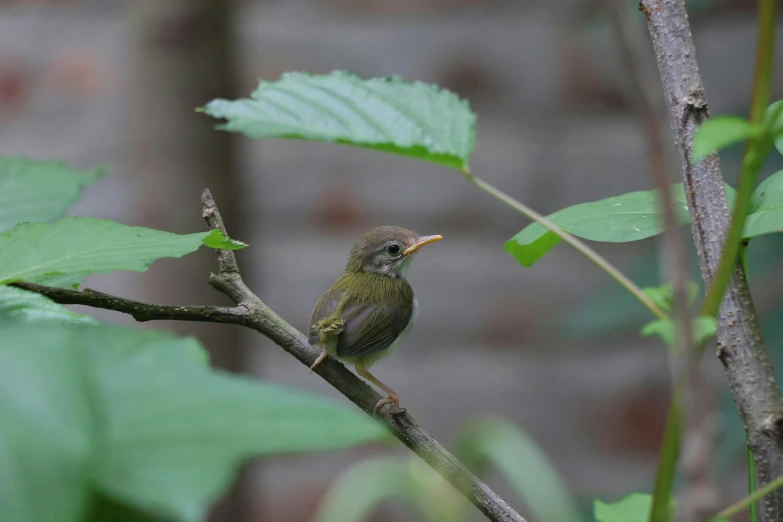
[[394, 401]]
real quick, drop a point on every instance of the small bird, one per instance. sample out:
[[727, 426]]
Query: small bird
[[370, 309]]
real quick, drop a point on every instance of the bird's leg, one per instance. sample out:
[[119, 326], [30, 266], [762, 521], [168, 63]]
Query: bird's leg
[[393, 398], [318, 361]]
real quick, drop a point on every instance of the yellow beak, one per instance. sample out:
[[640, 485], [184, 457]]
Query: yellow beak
[[423, 240]]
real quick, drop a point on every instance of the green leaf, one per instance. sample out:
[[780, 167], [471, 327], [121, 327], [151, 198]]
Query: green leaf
[[216, 239], [138, 416], [630, 217], [702, 329], [77, 245], [718, 133], [35, 191], [386, 114], [663, 295], [766, 208], [522, 463], [776, 127], [70, 281], [632, 508], [28, 307]]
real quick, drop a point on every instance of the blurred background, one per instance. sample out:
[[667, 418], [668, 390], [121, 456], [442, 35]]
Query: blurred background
[[554, 348]]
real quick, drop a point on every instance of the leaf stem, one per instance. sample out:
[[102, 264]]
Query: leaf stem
[[750, 499], [581, 247]]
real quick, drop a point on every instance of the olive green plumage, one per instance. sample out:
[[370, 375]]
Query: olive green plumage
[[362, 315], [371, 307]]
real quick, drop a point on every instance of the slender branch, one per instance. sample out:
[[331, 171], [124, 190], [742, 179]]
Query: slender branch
[[572, 240], [698, 496], [252, 313], [740, 347], [140, 311]]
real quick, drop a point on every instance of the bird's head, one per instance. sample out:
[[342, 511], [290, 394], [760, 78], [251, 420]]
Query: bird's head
[[386, 250]]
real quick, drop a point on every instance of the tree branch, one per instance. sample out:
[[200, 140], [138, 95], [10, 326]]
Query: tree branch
[[740, 347], [698, 498], [252, 313]]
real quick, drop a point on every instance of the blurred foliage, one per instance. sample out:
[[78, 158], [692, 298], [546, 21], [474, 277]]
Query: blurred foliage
[[108, 423], [488, 444]]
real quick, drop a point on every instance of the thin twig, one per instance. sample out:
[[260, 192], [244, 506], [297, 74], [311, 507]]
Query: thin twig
[[572, 240], [253, 313], [698, 498], [740, 347]]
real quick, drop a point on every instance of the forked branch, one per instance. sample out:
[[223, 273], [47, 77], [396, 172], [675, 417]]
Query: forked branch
[[252, 313]]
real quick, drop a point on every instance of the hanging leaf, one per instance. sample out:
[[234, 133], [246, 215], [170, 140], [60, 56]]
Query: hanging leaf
[[78, 245], [630, 217], [139, 417], [33, 191], [386, 114]]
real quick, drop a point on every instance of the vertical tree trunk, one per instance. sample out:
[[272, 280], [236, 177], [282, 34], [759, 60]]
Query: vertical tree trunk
[[182, 57]]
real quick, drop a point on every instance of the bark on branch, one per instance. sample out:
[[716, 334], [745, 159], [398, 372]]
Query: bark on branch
[[252, 313], [740, 346]]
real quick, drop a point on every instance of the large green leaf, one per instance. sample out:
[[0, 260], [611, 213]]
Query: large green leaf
[[386, 114], [522, 463], [77, 245], [23, 306], [138, 417], [38, 190], [619, 219], [766, 208]]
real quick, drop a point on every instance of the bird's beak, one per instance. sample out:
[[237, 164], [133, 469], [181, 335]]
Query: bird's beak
[[423, 240]]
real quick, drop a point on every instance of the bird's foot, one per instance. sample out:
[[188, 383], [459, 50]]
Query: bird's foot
[[394, 400], [318, 361]]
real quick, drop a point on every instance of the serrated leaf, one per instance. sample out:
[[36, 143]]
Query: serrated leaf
[[216, 239], [34, 191], [702, 328], [766, 208], [630, 217], [23, 306], [632, 508], [136, 416], [522, 463], [78, 245], [718, 133], [386, 114]]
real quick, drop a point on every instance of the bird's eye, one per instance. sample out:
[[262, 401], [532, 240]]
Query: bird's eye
[[394, 249]]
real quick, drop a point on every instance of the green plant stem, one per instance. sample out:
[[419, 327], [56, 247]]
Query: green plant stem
[[756, 150], [581, 247], [751, 464], [667, 462], [750, 499]]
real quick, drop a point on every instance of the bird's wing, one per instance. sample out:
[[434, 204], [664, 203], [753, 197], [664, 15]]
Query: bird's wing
[[324, 322], [369, 328]]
